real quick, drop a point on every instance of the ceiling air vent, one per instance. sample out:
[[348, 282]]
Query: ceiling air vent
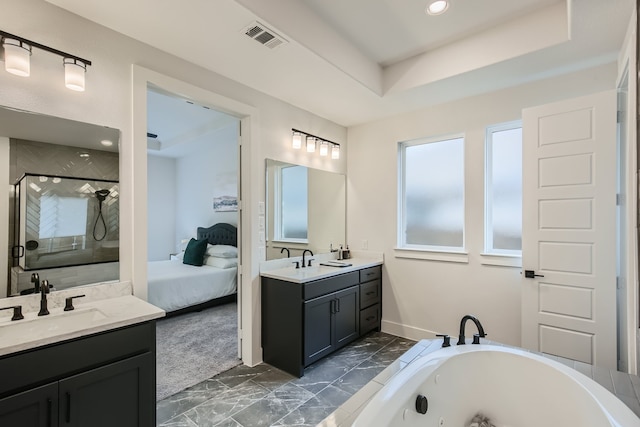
[[264, 35]]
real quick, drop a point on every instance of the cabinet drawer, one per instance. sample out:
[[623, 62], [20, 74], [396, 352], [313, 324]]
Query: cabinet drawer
[[332, 284], [370, 293], [68, 357], [370, 273], [369, 319]]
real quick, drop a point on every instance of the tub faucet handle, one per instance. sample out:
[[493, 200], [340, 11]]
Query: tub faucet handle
[[445, 340]]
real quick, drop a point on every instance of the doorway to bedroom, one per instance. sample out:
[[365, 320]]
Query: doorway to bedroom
[[192, 193]]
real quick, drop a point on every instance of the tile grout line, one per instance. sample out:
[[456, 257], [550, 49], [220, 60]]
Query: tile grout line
[[330, 384]]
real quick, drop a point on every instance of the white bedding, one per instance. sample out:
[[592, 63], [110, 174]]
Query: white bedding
[[174, 285]]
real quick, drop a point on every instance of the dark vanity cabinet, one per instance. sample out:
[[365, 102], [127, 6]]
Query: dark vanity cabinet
[[102, 380], [330, 322], [303, 322]]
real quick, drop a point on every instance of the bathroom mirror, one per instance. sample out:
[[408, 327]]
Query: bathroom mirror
[[305, 209], [52, 153]]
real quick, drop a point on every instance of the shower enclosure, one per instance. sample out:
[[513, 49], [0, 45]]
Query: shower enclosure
[[65, 221]]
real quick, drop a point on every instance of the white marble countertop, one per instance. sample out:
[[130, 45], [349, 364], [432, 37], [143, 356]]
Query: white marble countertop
[[317, 271], [88, 318]]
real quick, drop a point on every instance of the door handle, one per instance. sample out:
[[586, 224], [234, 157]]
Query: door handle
[[68, 407], [530, 274]]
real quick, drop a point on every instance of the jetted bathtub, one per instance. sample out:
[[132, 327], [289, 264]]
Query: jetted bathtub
[[511, 387]]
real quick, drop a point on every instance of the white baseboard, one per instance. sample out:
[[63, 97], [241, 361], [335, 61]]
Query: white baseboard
[[406, 331]]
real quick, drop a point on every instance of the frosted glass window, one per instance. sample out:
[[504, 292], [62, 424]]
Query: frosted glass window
[[433, 194], [504, 189], [62, 216], [293, 202]]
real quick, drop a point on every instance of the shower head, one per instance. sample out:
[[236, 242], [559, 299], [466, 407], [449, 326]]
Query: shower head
[[102, 194]]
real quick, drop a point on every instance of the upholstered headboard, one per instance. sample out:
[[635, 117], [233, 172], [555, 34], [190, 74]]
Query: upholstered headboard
[[219, 234]]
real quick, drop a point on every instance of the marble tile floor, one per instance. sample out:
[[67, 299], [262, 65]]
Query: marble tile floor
[[266, 396]]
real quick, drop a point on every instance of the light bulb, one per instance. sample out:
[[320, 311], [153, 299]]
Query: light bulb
[[311, 144], [296, 140], [17, 57], [74, 71], [324, 148], [437, 7], [335, 152]]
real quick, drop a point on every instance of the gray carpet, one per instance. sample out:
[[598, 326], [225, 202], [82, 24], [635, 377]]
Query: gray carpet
[[194, 347]]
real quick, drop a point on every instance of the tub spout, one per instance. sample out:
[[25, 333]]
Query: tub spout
[[463, 322]]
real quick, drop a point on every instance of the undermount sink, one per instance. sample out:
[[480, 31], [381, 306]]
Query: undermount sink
[[64, 321]]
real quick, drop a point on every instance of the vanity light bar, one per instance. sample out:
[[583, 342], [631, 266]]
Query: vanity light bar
[[312, 142], [17, 52]]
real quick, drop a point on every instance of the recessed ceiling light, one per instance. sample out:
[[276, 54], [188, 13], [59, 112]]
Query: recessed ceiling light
[[106, 143], [437, 7], [84, 155]]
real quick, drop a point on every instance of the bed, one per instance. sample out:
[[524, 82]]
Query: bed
[[178, 288]]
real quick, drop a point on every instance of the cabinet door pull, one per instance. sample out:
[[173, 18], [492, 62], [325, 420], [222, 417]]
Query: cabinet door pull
[[332, 304], [68, 407], [49, 411], [370, 293], [338, 306], [370, 318]]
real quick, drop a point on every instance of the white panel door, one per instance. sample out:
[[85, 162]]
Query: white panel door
[[569, 229]]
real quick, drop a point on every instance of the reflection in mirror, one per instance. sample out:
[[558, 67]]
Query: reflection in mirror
[[65, 221], [53, 148], [306, 209]]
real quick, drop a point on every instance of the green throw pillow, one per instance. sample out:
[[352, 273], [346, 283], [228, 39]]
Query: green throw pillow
[[194, 253]]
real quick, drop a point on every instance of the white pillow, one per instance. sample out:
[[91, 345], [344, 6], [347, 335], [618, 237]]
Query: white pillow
[[221, 262], [222, 251]]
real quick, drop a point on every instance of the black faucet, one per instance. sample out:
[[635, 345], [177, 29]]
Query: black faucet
[[17, 312], [288, 253], [44, 289], [476, 337], [303, 254], [35, 279]]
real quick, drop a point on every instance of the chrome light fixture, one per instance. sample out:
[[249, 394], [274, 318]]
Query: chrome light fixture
[[311, 143], [17, 53]]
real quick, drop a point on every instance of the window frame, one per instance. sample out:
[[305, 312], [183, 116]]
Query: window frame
[[490, 255], [429, 252]]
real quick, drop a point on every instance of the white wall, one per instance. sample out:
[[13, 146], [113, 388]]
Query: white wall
[[4, 215], [161, 205], [421, 297], [210, 170], [108, 101]]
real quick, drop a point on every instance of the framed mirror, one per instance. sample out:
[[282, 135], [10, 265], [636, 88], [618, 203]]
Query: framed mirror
[[64, 159], [305, 209]]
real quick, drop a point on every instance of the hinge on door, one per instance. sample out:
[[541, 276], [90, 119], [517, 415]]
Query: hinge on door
[[619, 283], [239, 205], [618, 116], [618, 199]]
